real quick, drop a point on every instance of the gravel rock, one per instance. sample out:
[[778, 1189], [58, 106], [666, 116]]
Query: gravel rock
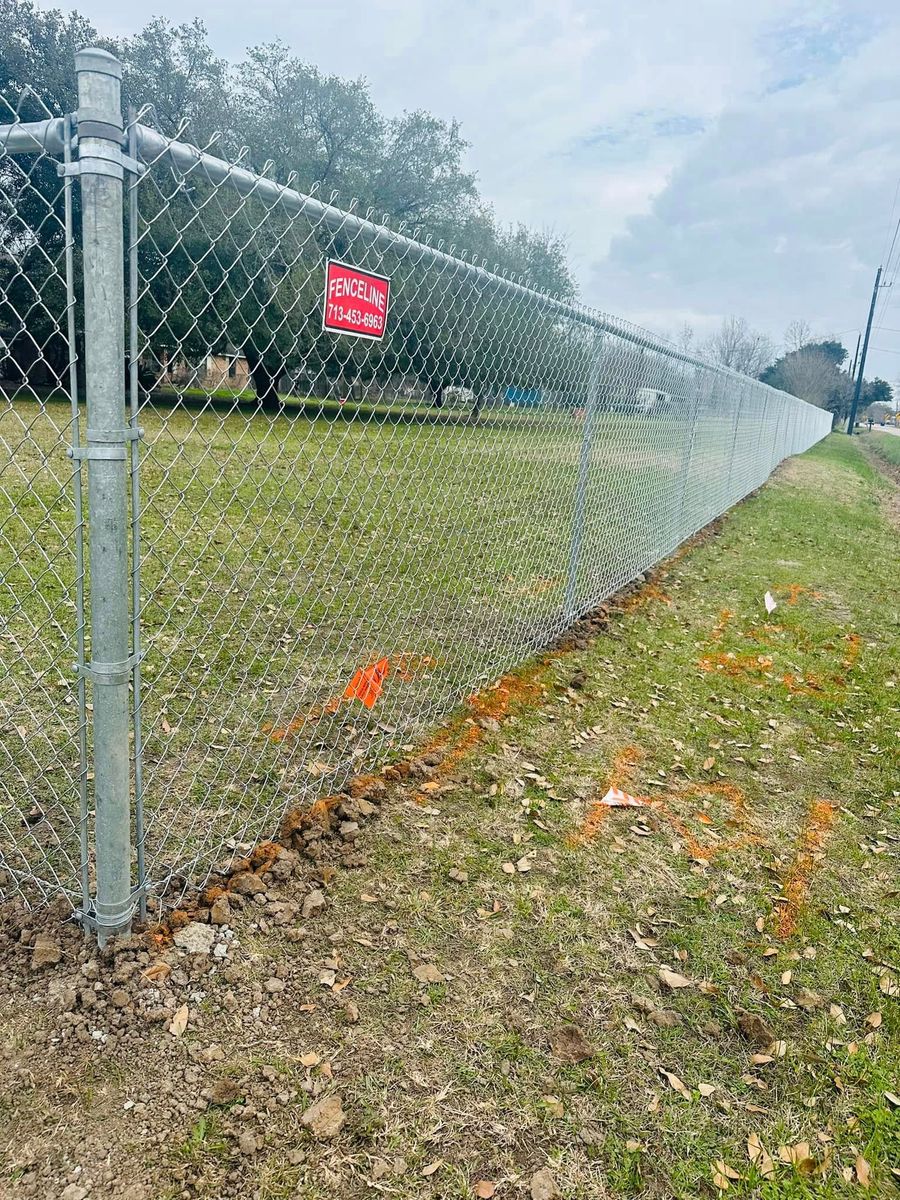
[[220, 912], [73, 1192], [313, 903], [543, 1186], [195, 938], [247, 884]]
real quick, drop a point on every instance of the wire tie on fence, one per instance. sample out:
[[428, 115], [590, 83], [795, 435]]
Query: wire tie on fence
[[109, 673]]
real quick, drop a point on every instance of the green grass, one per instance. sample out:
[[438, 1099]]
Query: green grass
[[465, 1071], [886, 446], [279, 555], [559, 951]]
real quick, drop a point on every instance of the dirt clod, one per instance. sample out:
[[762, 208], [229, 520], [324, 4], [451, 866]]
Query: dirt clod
[[569, 1044], [325, 1118], [224, 1091], [313, 903], [543, 1186], [46, 952], [247, 884], [427, 973], [665, 1018], [756, 1031]]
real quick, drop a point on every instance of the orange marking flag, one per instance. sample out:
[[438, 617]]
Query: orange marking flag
[[615, 798], [367, 683]]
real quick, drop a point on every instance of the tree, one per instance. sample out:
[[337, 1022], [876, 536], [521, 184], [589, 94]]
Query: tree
[[878, 391], [219, 270], [797, 335], [172, 68], [813, 372], [739, 347], [37, 77]]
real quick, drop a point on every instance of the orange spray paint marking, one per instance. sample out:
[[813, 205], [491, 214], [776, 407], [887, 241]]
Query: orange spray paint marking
[[854, 645], [650, 591], [625, 762], [736, 664], [367, 683], [794, 591], [819, 820], [719, 628]]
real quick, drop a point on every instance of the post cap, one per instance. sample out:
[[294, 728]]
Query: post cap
[[92, 58]]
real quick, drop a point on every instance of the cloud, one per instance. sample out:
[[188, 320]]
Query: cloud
[[700, 157], [779, 211]]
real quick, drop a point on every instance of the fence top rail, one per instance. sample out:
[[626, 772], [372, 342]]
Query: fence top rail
[[153, 147]]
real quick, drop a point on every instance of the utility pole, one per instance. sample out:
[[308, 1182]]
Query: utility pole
[[855, 357], [862, 361]]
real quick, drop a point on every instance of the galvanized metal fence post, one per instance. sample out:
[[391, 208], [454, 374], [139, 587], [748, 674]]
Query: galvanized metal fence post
[[687, 457], [100, 170], [737, 421], [581, 486]]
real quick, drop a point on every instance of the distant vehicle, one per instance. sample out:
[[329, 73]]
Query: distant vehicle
[[650, 400]]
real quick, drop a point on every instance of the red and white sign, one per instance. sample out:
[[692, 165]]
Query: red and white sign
[[356, 301]]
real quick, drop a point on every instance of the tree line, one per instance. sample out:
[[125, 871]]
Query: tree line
[[317, 132], [816, 369], [219, 272]]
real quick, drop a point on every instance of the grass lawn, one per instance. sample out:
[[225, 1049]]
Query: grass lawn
[[696, 995], [886, 446], [279, 556]]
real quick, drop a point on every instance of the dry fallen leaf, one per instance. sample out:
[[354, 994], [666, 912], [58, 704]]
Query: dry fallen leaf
[[673, 980], [873, 1020], [675, 1083], [641, 941], [863, 1172], [799, 1156], [888, 986], [432, 1167], [706, 1089], [892, 1098], [760, 1157], [159, 970], [722, 1173], [709, 763], [179, 1022], [427, 973], [484, 1189], [310, 1060]]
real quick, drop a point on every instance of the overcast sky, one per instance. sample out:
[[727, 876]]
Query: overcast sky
[[701, 157]]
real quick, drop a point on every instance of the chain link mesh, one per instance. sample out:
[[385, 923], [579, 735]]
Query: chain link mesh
[[424, 510], [322, 521], [43, 732]]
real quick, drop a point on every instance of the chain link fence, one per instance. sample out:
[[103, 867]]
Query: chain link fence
[[345, 479]]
